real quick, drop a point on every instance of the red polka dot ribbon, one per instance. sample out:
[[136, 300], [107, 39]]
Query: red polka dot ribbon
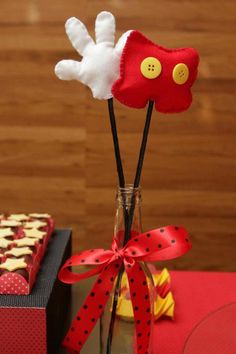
[[160, 244]]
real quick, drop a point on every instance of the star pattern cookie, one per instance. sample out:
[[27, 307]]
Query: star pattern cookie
[[6, 232], [25, 241], [18, 217], [40, 215], [5, 243], [12, 264], [34, 224], [18, 252], [10, 223], [35, 233]]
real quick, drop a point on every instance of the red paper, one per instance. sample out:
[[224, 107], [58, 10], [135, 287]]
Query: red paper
[[215, 334], [197, 295]]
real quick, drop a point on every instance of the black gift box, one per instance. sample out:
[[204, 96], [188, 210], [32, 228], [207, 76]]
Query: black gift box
[[35, 323]]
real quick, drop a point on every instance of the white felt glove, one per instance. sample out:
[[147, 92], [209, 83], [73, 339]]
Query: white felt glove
[[99, 67]]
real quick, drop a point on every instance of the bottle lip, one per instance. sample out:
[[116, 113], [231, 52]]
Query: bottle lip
[[129, 188], [125, 195]]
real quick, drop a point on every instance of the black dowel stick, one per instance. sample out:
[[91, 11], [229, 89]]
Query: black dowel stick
[[126, 218], [116, 143], [139, 167], [143, 145], [128, 222], [119, 166]]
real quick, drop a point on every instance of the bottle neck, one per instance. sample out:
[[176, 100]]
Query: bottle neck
[[126, 197]]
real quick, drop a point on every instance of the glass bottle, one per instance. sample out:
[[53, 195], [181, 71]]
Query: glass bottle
[[117, 330]]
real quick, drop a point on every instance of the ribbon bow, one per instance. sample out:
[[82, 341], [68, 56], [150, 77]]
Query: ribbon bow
[[160, 244]]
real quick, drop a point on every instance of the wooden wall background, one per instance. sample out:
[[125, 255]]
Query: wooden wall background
[[55, 145]]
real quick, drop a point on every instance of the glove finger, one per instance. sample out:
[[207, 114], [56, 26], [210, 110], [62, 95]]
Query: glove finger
[[78, 35], [68, 70], [105, 28]]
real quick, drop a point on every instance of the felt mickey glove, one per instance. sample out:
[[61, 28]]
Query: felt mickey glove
[[99, 67]]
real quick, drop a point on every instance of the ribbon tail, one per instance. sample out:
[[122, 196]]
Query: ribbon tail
[[140, 297], [91, 309]]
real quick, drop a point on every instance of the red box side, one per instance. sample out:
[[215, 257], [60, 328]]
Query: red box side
[[23, 330]]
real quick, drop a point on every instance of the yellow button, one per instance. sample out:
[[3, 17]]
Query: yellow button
[[150, 67], [180, 73]]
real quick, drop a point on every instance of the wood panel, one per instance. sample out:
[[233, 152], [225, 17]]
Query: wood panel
[[56, 150]]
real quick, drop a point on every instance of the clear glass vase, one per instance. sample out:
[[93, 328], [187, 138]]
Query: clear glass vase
[[117, 330]]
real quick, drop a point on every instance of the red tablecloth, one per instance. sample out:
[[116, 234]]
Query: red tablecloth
[[197, 294]]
